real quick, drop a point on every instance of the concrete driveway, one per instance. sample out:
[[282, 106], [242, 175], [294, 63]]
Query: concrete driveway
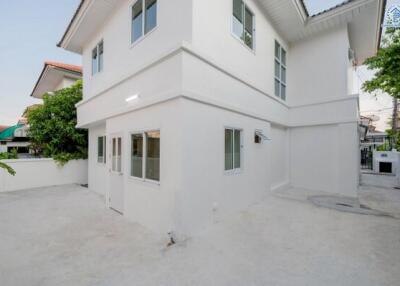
[[65, 236]]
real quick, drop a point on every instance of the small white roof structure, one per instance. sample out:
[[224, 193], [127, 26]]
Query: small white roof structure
[[52, 75]]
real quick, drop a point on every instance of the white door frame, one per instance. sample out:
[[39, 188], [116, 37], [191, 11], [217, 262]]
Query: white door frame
[[116, 169]]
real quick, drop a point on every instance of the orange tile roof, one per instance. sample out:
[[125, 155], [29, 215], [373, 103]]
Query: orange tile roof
[[73, 68]]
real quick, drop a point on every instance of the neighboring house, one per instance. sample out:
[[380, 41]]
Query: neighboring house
[[372, 138], [15, 137], [56, 76], [2, 127], [198, 108]]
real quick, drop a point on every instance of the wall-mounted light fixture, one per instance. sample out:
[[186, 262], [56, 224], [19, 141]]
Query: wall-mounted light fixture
[[259, 137], [132, 98]]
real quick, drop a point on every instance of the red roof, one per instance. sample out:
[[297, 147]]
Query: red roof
[[73, 68], [3, 127]]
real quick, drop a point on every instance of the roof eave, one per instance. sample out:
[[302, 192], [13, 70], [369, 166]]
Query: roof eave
[[65, 40], [44, 71], [382, 19]]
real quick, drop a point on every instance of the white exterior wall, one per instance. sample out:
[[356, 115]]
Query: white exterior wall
[[148, 203], [35, 173], [98, 172], [207, 191], [279, 162], [325, 158], [318, 67], [64, 83], [214, 38], [121, 58], [155, 83], [324, 149], [194, 78]]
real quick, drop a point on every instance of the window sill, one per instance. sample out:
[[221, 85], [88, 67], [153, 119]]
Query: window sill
[[138, 41], [145, 181], [233, 172], [252, 50], [94, 75]]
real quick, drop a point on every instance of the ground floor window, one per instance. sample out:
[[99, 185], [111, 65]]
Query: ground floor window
[[101, 149], [233, 139], [145, 155]]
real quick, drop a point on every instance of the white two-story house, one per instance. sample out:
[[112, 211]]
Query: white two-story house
[[198, 108]]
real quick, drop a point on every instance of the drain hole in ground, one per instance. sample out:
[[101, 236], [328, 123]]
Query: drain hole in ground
[[365, 207], [344, 205]]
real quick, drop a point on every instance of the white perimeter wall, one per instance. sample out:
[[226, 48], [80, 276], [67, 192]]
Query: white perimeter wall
[[35, 173], [321, 160]]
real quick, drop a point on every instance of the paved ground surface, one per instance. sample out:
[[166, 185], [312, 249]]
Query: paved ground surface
[[380, 180], [65, 236], [381, 198]]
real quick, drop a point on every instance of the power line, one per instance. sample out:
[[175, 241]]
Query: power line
[[377, 110]]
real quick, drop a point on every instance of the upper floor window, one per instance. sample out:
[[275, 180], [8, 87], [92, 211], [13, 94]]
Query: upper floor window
[[97, 58], [144, 18], [243, 23], [280, 71]]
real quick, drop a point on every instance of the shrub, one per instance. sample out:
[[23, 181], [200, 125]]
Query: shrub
[[52, 126]]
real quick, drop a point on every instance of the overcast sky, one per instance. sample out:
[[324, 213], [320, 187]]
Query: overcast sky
[[28, 40]]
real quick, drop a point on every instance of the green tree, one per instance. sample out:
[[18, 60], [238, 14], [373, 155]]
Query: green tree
[[386, 65], [52, 126], [7, 168], [7, 156]]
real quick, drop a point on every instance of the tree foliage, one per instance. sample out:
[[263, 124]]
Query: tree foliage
[[52, 126], [7, 156], [386, 65], [7, 168]]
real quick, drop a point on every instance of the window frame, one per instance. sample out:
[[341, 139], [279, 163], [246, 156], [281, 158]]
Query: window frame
[[144, 34], [118, 149], [279, 60], [99, 68], [239, 170], [242, 41], [144, 157], [104, 139]]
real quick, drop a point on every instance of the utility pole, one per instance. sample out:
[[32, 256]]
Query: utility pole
[[394, 122], [395, 114]]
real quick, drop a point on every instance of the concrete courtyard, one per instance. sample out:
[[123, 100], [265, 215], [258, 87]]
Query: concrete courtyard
[[66, 236]]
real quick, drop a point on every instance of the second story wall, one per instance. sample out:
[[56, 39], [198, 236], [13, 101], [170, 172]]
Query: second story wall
[[213, 36], [319, 68], [121, 57]]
